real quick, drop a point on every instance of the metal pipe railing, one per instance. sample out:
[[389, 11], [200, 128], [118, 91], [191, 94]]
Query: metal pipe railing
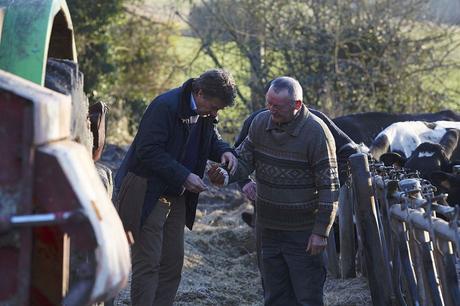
[[400, 229]]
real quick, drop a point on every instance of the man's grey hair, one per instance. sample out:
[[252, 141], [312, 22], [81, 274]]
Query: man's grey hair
[[290, 84]]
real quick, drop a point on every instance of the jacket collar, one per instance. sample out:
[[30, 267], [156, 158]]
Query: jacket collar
[[185, 110], [292, 128]]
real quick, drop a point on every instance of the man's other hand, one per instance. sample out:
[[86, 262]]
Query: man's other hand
[[230, 160], [316, 244], [193, 183], [250, 190]]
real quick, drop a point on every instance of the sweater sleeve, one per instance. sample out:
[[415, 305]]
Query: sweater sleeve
[[322, 157]]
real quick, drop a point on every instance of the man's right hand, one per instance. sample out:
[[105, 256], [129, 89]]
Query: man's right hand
[[193, 183]]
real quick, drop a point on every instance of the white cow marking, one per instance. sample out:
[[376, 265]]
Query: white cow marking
[[425, 154], [408, 135]]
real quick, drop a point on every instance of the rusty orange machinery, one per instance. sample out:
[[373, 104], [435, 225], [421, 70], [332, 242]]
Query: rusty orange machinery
[[53, 207]]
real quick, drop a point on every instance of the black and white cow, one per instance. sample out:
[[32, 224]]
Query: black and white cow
[[364, 127], [422, 146], [404, 137]]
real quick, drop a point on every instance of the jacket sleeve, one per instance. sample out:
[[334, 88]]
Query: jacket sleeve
[[154, 131], [322, 157], [245, 160], [245, 128], [343, 144]]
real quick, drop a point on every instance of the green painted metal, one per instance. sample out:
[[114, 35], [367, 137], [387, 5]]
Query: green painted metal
[[25, 36]]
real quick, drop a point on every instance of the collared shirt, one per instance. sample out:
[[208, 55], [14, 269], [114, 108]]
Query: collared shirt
[[193, 119], [293, 127], [192, 102]]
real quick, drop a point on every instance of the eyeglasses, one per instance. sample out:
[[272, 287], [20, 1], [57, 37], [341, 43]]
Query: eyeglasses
[[271, 106]]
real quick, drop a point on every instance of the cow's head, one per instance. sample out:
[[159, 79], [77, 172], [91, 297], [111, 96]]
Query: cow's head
[[427, 157], [449, 183], [393, 159]]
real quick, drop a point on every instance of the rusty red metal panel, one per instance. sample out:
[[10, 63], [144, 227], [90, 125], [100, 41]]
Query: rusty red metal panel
[[42, 179], [16, 164], [54, 193], [9, 265], [50, 254], [11, 114]]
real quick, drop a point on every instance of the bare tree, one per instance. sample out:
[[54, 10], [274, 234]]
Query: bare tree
[[349, 55]]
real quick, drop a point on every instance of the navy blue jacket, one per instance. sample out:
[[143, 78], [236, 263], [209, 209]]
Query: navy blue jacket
[[160, 145]]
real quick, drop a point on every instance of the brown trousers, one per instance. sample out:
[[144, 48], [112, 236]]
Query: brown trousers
[[129, 202], [158, 254]]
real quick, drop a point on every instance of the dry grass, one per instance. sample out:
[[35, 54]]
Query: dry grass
[[220, 262]]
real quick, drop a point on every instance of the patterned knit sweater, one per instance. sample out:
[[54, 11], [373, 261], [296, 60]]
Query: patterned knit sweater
[[295, 170]]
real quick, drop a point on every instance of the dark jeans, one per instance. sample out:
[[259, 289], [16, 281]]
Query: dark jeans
[[290, 275]]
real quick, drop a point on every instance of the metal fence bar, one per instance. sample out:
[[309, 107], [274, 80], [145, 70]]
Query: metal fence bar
[[436, 283], [409, 253]]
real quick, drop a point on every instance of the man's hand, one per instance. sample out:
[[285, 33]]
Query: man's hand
[[193, 183], [250, 190], [316, 244], [216, 175], [230, 160]]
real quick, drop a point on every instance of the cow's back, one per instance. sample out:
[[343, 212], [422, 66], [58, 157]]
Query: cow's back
[[364, 127]]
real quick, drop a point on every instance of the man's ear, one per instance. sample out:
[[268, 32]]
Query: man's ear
[[298, 104]]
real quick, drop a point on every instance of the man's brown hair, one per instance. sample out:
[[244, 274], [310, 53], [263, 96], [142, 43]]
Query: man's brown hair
[[216, 83]]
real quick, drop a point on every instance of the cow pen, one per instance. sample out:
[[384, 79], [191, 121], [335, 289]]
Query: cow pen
[[400, 235]]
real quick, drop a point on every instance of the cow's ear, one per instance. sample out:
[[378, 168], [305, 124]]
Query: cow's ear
[[441, 178], [392, 158], [450, 141]]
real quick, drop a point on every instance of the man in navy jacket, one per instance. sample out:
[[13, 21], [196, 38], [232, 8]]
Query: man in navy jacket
[[160, 179]]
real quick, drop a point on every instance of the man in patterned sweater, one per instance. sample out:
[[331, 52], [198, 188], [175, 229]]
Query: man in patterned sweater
[[293, 155]]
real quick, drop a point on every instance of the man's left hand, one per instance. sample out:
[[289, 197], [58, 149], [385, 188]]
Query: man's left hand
[[230, 160], [316, 244]]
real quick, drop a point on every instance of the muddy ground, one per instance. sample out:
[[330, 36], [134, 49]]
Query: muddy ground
[[220, 260]]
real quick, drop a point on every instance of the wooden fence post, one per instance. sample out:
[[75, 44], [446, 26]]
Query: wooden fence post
[[366, 215], [332, 258], [347, 233]]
